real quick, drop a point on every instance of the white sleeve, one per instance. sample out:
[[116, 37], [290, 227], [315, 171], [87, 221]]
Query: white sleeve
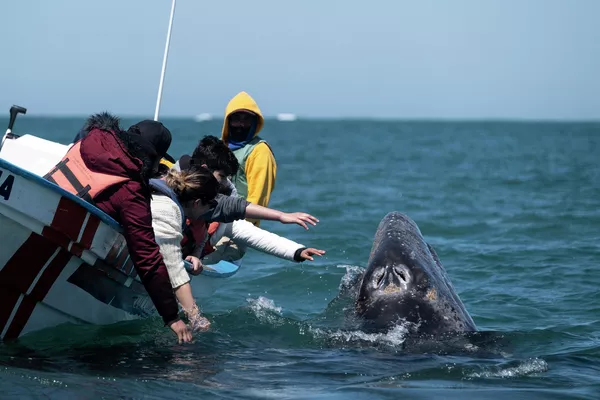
[[166, 222], [246, 233]]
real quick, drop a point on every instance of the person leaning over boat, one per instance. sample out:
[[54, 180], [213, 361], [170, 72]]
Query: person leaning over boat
[[178, 195], [111, 168], [213, 154]]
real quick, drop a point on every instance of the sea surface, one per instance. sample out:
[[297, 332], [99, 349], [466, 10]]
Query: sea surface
[[512, 209]]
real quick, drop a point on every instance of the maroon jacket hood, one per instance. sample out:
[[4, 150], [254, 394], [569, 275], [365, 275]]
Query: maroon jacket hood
[[103, 149]]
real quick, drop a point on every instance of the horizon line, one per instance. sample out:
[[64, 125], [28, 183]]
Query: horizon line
[[337, 118]]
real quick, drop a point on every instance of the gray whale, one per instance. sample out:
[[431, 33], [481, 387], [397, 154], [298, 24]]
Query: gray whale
[[405, 281]]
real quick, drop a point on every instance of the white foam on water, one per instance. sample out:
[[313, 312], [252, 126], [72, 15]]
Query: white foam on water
[[394, 337], [532, 366]]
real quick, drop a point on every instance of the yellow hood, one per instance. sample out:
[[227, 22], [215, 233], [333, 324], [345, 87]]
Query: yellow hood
[[241, 101]]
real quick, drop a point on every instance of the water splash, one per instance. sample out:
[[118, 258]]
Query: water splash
[[532, 366], [265, 310], [353, 272], [393, 338]]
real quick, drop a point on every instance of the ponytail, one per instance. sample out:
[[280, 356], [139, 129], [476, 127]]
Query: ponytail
[[192, 184]]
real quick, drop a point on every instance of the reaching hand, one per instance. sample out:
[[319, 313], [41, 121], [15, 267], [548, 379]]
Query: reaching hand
[[182, 331], [299, 218], [196, 265], [307, 253]]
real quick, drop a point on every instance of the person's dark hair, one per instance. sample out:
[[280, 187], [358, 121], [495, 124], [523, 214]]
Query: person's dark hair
[[194, 183], [213, 152]]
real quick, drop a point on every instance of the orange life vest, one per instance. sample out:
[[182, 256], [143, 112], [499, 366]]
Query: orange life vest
[[74, 176], [208, 248], [212, 228], [197, 234]]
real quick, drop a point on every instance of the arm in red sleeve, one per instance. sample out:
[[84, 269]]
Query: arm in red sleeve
[[135, 217]]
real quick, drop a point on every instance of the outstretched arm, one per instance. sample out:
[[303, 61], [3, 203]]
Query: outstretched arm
[[260, 212], [231, 208], [247, 234], [136, 218], [228, 209]]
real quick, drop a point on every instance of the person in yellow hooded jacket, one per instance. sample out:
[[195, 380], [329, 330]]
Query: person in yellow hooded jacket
[[255, 178]]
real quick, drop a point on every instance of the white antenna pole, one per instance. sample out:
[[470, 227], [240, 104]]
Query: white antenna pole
[[164, 65]]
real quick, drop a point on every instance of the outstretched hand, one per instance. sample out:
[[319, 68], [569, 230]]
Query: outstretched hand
[[299, 218], [307, 253]]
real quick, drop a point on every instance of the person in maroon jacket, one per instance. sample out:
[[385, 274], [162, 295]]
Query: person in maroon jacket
[[105, 148]]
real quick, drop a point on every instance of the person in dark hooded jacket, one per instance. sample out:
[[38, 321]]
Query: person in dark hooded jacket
[[107, 149]]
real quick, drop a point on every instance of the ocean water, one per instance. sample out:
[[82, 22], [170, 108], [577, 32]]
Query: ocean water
[[512, 209]]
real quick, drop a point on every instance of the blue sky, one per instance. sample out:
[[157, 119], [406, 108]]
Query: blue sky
[[531, 59]]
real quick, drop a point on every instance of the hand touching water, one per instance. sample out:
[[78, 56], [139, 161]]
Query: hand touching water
[[184, 335]]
